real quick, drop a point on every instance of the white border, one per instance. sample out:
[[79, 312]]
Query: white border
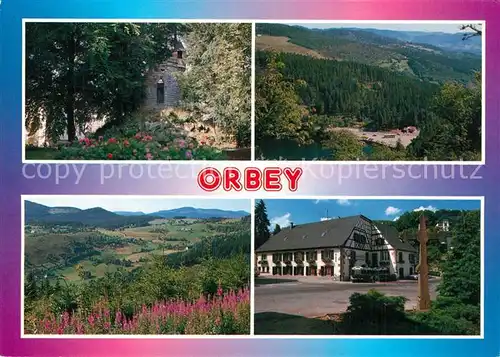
[[397, 337], [132, 197], [253, 22], [252, 288]]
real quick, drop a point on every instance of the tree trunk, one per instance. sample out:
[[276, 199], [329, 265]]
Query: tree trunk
[[70, 90]]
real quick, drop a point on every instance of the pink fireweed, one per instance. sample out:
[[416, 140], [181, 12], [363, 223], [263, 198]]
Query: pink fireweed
[[227, 313]]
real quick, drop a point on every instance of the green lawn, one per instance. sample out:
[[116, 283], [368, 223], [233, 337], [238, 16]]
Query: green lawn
[[41, 153]]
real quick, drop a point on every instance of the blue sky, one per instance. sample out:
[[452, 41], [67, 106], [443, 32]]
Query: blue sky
[[283, 212], [146, 205], [440, 27]]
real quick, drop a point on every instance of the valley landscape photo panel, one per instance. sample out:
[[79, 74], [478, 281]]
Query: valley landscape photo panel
[[369, 91], [136, 266]]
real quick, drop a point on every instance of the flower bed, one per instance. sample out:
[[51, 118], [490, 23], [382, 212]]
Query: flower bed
[[141, 146], [224, 314]]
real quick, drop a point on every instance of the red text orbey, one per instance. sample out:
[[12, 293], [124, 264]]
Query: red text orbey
[[249, 179]]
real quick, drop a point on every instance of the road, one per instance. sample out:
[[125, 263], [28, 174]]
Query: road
[[311, 298]]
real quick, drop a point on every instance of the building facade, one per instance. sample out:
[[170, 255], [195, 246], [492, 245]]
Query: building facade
[[162, 88], [334, 247]]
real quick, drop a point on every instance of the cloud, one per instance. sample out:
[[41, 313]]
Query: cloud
[[395, 219], [392, 211], [344, 202], [428, 208], [282, 221], [325, 218], [320, 200]]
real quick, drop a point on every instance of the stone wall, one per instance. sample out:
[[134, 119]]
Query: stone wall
[[165, 73]]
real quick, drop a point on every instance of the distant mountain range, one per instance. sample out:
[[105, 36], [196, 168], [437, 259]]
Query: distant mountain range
[[99, 217], [190, 212], [446, 41], [436, 57]]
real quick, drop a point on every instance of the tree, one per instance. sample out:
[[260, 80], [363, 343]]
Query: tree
[[277, 229], [461, 272], [217, 84], [473, 30], [80, 72], [262, 224], [344, 144], [278, 112]]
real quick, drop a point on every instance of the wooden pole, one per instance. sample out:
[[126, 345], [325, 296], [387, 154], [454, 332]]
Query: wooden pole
[[424, 299]]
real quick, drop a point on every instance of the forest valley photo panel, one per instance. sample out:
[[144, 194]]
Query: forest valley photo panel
[[378, 92], [137, 91], [136, 266]]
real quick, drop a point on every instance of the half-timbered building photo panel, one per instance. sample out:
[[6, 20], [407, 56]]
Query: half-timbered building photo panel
[[368, 266]]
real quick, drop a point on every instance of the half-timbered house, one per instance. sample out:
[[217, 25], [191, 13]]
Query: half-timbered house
[[333, 247]]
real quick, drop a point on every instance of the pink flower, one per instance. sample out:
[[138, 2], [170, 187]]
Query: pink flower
[[109, 156], [138, 135], [189, 155], [125, 142], [219, 290], [182, 144], [149, 156], [91, 320], [112, 141]]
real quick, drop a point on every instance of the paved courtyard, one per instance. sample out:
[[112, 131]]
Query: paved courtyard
[[317, 296]]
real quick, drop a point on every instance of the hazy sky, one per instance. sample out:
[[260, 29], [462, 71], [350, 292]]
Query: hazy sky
[[442, 27], [146, 205]]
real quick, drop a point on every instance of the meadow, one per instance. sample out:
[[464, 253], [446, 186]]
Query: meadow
[[171, 276]]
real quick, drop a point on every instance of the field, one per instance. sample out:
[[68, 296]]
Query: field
[[282, 44], [63, 252]]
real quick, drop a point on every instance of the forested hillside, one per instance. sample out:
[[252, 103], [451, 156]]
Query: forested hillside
[[419, 60], [327, 106]]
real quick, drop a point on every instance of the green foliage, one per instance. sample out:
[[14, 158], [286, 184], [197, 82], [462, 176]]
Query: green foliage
[[373, 313], [461, 272], [449, 316], [454, 131], [79, 72], [141, 146], [217, 85], [356, 45], [262, 224], [277, 229], [345, 146]]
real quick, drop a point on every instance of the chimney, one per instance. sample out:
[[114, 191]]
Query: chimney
[[291, 225]]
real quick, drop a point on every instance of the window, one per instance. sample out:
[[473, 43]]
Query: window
[[160, 92], [311, 255], [287, 257], [327, 254], [384, 255], [263, 257], [276, 257], [400, 257]]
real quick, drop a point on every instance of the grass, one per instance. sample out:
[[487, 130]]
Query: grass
[[274, 323], [41, 153], [46, 247]]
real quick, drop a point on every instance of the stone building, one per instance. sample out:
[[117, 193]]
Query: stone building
[[334, 247], [162, 89]]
